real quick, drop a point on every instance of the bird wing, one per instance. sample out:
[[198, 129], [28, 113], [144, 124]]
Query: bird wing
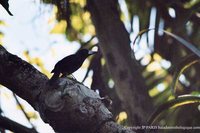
[[64, 64]]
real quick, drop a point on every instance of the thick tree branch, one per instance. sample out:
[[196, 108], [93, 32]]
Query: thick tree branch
[[67, 105], [20, 77]]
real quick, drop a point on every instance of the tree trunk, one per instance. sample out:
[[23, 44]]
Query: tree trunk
[[115, 46]]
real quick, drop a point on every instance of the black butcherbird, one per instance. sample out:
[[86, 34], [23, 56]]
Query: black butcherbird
[[70, 64], [5, 4]]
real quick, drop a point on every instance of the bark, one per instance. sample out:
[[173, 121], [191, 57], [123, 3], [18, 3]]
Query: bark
[[67, 105], [115, 46]]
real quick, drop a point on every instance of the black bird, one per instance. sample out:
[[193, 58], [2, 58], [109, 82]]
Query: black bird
[[5, 4], [70, 64]]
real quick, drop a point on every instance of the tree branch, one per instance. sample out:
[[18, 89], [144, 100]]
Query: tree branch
[[67, 105], [14, 126], [23, 111], [20, 77]]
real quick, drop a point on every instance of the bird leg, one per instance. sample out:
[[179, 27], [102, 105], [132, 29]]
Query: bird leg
[[70, 76], [64, 75]]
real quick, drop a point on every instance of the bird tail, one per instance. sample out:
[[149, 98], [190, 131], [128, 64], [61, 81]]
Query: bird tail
[[54, 78]]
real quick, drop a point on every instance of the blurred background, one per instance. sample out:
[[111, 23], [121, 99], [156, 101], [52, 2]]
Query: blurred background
[[43, 32]]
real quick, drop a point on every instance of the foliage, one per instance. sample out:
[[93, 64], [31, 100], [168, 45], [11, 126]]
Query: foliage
[[163, 60]]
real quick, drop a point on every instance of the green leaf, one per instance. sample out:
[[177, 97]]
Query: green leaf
[[188, 45], [182, 66], [180, 101], [5, 4], [141, 33]]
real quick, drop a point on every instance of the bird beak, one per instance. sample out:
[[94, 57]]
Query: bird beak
[[92, 52]]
